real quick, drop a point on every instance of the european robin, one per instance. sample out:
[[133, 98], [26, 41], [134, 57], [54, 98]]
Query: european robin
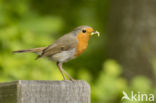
[[67, 47]]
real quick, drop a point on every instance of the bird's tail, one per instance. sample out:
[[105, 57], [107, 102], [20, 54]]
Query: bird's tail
[[33, 50]]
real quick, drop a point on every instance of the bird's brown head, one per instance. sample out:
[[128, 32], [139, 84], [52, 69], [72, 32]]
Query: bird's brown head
[[85, 30], [83, 34]]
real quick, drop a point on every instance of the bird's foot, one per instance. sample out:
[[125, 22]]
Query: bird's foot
[[71, 79]]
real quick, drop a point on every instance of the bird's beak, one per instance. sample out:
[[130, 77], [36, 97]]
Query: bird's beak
[[95, 32]]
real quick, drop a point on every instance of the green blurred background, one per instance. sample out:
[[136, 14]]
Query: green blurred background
[[123, 58]]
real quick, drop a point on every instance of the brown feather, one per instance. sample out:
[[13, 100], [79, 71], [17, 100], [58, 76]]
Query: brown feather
[[66, 42], [34, 50]]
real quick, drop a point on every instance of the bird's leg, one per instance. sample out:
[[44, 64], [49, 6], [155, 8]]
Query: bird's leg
[[68, 75], [61, 69]]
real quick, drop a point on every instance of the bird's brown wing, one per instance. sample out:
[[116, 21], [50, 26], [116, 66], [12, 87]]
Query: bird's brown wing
[[65, 43]]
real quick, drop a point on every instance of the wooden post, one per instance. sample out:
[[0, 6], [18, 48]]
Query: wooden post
[[25, 91]]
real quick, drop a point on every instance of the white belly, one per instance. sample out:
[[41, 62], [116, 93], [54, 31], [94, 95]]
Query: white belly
[[63, 56]]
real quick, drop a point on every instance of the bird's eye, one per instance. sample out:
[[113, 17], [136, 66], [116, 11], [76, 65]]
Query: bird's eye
[[84, 31]]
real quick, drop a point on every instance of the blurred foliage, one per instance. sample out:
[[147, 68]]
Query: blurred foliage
[[36, 23]]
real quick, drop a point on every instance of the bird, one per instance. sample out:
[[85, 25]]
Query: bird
[[65, 48]]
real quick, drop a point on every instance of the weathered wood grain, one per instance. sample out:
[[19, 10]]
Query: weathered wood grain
[[33, 91]]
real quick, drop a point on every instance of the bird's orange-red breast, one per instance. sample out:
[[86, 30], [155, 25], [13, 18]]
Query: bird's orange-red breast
[[83, 39]]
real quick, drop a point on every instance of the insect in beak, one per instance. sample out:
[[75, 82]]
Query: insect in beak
[[95, 32]]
